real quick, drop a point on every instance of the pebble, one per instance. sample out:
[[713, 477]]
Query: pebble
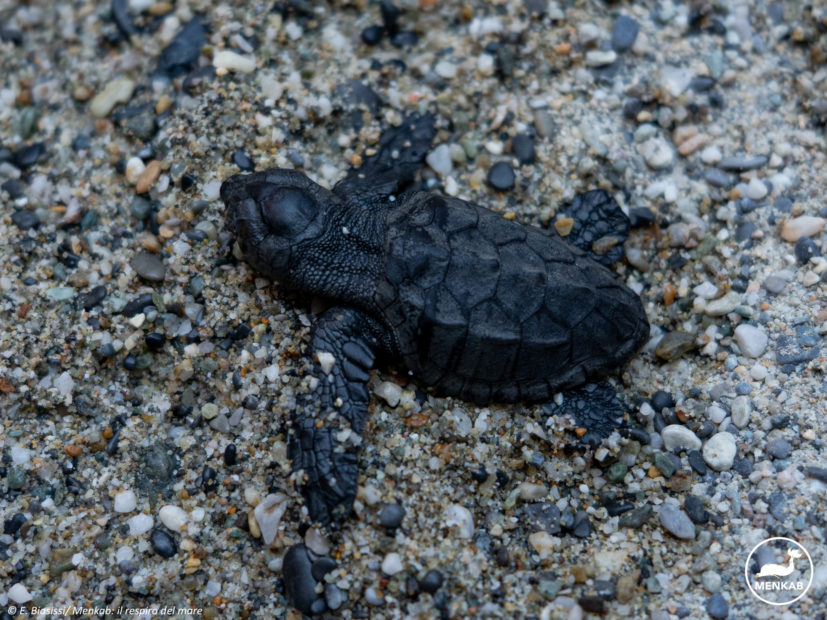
[[802, 226], [232, 61], [673, 345], [600, 58], [431, 581], [173, 517], [125, 501], [675, 79], [268, 515], [181, 55], [299, 584], [117, 91], [522, 146], [624, 33], [25, 219], [717, 178], [19, 594], [741, 411], [723, 305], [742, 163], [140, 524], [148, 177], [148, 266], [242, 160], [501, 176], [391, 516], [716, 606], [675, 521], [805, 249], [677, 438], [163, 544], [690, 145], [392, 564], [461, 518], [719, 451], [445, 69], [439, 159], [135, 167], [779, 448], [752, 341], [775, 284], [657, 153], [756, 189], [695, 510]]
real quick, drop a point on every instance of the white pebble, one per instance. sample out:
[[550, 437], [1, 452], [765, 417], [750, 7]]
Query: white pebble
[[445, 69], [316, 542], [140, 524], [485, 64], [268, 514], [600, 58], [711, 155], [439, 159], [19, 594], [392, 564], [544, 543], [20, 455], [124, 554], [64, 383], [173, 517], [134, 168], [723, 305], [232, 61], [212, 190], [675, 79], [531, 492], [676, 437], [326, 361], [117, 91], [657, 153], [461, 517], [802, 226], [588, 33], [719, 451], [706, 289], [125, 501], [756, 189], [715, 414], [758, 372], [751, 340], [389, 392], [741, 411], [212, 589]]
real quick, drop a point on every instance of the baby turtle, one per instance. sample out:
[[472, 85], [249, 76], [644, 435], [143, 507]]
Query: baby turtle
[[477, 306]]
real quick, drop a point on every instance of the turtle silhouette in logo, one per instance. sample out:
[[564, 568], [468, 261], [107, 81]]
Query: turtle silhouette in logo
[[475, 305], [780, 570]]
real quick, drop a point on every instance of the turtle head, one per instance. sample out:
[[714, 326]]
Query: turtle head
[[271, 213]]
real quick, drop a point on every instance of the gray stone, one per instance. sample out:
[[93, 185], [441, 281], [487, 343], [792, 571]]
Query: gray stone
[[676, 522]]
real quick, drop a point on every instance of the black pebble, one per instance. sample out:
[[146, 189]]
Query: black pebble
[[163, 544], [119, 9], [242, 160], [694, 507], [661, 400], [744, 231], [137, 305], [805, 249], [106, 351], [391, 516], [13, 188], [130, 363], [582, 525], [93, 297], [390, 16], [696, 462], [591, 604], [181, 55], [28, 155], [717, 607], [155, 341], [25, 219], [406, 38], [187, 181], [372, 34], [230, 454], [432, 581], [624, 33], [523, 147], [208, 481], [13, 524], [632, 108], [501, 176], [702, 83]]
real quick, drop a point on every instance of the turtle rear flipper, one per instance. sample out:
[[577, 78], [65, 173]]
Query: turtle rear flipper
[[328, 423]]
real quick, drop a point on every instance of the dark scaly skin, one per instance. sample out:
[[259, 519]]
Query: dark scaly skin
[[475, 305]]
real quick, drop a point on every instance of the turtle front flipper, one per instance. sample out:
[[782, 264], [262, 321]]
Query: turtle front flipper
[[399, 155], [599, 226], [328, 423]]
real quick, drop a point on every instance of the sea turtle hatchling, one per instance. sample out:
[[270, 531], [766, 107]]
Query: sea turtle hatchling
[[477, 306]]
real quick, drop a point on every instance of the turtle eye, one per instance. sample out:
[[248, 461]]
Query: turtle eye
[[287, 211]]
